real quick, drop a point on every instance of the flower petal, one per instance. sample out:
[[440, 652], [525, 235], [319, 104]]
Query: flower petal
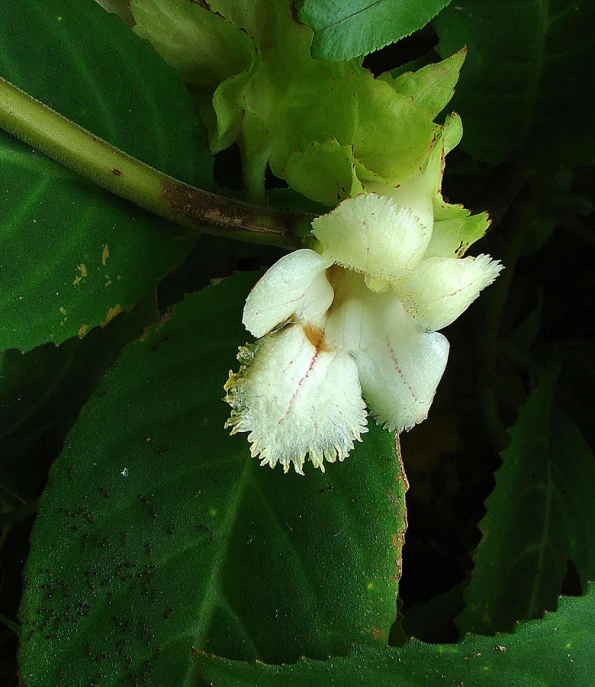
[[399, 375], [373, 235], [296, 397], [399, 363], [414, 193], [441, 289], [295, 287]]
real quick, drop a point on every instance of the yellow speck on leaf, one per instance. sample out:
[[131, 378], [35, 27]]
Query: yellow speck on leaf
[[63, 311], [82, 268], [111, 313], [104, 254], [83, 330]]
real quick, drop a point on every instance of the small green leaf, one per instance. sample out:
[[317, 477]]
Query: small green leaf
[[526, 92], [158, 532], [203, 46], [539, 516], [351, 28], [321, 170], [73, 256], [432, 86], [557, 650]]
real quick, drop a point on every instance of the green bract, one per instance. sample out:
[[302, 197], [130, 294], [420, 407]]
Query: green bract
[[326, 128]]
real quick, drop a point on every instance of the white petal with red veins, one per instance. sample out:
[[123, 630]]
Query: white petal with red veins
[[297, 398], [294, 288], [399, 363], [441, 289], [371, 234], [414, 193]]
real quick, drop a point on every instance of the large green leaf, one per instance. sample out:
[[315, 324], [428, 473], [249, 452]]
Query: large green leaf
[[555, 651], [527, 91], [72, 256], [540, 515], [158, 532], [351, 28]]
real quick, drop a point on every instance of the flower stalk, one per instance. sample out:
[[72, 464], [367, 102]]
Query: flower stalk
[[79, 150]]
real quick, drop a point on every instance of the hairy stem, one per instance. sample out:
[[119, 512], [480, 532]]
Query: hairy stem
[[96, 160]]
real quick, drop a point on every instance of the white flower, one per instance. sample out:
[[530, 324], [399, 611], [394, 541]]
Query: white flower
[[358, 319]]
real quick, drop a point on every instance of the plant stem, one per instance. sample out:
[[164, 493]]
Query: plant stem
[[10, 624], [96, 160]]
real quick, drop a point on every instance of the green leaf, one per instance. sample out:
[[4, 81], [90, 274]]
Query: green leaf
[[539, 516], [557, 650], [119, 7], [73, 256], [525, 93], [319, 171], [50, 383], [351, 28], [577, 384], [432, 86], [158, 532], [203, 46]]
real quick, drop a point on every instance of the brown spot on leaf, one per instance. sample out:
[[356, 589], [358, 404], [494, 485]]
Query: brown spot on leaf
[[377, 634]]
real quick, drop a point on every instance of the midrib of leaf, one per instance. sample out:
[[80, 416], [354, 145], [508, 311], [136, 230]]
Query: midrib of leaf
[[291, 546], [42, 400], [209, 603], [149, 102], [87, 76], [353, 14], [30, 200], [543, 544], [536, 70], [35, 162]]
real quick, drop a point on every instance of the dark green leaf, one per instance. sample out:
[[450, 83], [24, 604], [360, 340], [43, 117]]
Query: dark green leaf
[[527, 91], [343, 30], [73, 256], [577, 384], [158, 532], [50, 383], [555, 651], [539, 516]]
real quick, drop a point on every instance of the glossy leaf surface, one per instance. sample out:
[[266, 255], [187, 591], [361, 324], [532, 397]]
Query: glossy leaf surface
[[72, 256], [352, 28]]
